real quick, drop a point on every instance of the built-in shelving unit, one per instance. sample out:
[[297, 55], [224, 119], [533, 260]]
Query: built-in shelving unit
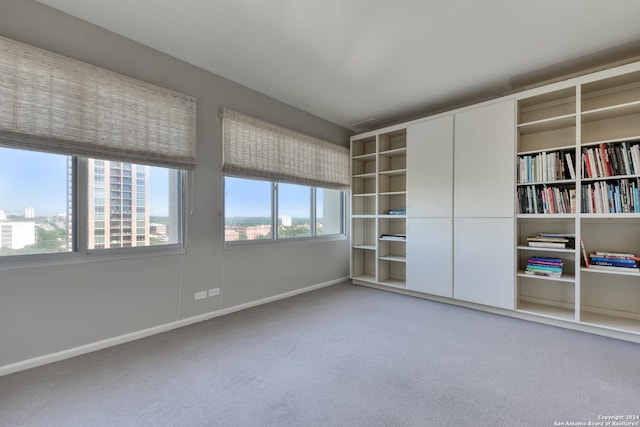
[[573, 157], [595, 125], [379, 201]]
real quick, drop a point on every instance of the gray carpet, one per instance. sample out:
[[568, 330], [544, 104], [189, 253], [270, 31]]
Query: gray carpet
[[339, 356]]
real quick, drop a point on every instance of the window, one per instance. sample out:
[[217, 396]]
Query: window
[[248, 209], [65, 112], [33, 203], [37, 205], [251, 206], [329, 212], [294, 211], [156, 205]]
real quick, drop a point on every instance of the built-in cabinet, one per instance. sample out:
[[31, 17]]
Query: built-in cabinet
[[453, 205], [483, 205], [430, 206]]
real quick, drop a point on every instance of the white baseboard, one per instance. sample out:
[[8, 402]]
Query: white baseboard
[[110, 342]]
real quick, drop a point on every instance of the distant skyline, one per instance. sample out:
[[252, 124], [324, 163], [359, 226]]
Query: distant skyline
[[39, 180]]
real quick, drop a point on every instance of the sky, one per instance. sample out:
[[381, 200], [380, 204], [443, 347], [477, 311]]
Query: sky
[[252, 198], [39, 180]]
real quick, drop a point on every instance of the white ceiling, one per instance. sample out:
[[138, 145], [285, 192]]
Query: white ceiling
[[350, 60]]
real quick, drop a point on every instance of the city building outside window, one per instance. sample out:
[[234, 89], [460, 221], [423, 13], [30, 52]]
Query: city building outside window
[[38, 207]]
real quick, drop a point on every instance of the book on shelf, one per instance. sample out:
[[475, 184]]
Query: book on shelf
[[584, 253], [612, 261], [611, 159], [397, 212], [604, 260], [400, 237], [545, 166], [551, 240], [543, 199], [617, 255], [614, 196], [614, 268], [540, 266]]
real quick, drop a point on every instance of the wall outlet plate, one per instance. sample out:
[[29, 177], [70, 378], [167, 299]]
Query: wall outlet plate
[[201, 295], [213, 292]]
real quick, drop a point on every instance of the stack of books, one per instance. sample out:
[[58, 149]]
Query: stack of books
[[552, 240], [614, 261], [548, 267]]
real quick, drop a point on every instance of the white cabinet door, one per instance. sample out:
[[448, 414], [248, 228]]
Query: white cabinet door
[[430, 168], [430, 256], [484, 161], [484, 261]]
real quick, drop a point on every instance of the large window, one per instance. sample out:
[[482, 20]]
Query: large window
[[126, 204], [255, 208], [58, 197]]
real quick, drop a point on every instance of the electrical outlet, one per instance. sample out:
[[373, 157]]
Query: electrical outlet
[[213, 292], [201, 295]]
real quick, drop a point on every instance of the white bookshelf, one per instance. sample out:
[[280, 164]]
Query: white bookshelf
[[379, 169]]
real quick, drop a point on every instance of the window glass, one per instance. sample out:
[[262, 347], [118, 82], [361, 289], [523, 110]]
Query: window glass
[[329, 211], [294, 211], [35, 211], [157, 206], [247, 209]]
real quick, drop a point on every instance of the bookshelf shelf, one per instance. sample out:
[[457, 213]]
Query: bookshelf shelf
[[615, 273], [564, 278], [545, 310], [544, 125], [394, 258], [619, 323], [394, 172], [613, 111]]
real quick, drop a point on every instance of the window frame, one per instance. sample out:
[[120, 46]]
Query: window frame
[[274, 239], [79, 252]]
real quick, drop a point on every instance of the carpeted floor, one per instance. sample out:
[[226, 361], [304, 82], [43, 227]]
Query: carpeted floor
[[339, 356]]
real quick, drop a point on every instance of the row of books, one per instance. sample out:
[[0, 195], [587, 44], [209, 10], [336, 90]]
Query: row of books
[[613, 261], [552, 240], [610, 160], [620, 196], [548, 267], [546, 200], [541, 167]]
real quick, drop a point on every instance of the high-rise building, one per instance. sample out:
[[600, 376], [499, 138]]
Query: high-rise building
[[29, 213], [118, 204]]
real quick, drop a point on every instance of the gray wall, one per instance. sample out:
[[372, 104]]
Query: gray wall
[[49, 309]]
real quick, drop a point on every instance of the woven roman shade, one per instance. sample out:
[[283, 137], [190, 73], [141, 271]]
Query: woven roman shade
[[254, 148], [52, 103]]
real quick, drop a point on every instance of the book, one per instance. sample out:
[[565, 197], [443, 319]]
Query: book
[[584, 253], [553, 245], [622, 261], [616, 254], [613, 268], [397, 211], [393, 237], [543, 273]]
